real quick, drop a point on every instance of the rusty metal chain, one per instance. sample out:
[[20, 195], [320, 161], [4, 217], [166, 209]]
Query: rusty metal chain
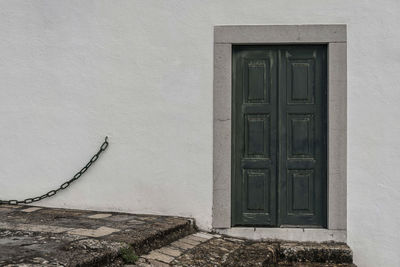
[[65, 185]]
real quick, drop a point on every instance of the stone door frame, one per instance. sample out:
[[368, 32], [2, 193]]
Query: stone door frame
[[334, 36]]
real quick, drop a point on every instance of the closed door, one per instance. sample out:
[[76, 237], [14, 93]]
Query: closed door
[[279, 136]]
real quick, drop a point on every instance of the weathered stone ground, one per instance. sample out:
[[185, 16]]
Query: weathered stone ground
[[34, 236], [204, 249]]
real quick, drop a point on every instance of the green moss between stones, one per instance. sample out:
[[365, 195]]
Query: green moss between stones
[[128, 254]]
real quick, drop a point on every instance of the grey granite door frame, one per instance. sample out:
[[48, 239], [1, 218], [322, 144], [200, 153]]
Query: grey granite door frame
[[335, 38]]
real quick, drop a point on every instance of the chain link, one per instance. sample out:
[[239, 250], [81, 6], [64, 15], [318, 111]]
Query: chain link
[[64, 185]]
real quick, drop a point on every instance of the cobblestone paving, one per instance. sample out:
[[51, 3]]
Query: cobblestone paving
[[204, 249], [34, 236]]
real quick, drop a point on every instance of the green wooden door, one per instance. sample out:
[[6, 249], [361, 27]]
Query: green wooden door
[[254, 120], [279, 136]]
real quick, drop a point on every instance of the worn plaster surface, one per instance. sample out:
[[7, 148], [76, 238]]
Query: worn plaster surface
[[141, 73]]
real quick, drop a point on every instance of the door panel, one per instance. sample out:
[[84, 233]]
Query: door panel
[[257, 132], [300, 131], [256, 79], [279, 136], [302, 134], [301, 186], [254, 159], [300, 81]]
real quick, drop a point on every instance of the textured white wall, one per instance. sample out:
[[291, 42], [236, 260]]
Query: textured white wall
[[141, 72]]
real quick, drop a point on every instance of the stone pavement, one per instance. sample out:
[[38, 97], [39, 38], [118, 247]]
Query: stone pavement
[[34, 236], [204, 249]]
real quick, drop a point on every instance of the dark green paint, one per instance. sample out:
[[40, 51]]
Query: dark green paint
[[279, 136]]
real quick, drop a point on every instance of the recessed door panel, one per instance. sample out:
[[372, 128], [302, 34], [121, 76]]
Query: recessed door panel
[[279, 136], [256, 78], [257, 132], [300, 135], [301, 192], [300, 84], [256, 189]]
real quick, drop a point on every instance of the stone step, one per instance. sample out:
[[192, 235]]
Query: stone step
[[205, 249], [39, 236], [164, 237], [329, 252], [313, 264]]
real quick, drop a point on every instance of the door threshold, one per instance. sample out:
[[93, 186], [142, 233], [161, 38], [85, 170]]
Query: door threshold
[[301, 226], [290, 234]]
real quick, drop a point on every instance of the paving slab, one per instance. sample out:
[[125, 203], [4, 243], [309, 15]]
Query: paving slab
[[205, 235], [38, 236], [182, 245], [155, 255], [189, 241], [32, 209], [100, 216], [170, 251]]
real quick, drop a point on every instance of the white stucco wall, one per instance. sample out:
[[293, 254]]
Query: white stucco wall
[[140, 72]]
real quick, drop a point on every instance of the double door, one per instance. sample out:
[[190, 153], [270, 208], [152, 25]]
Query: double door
[[279, 136]]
